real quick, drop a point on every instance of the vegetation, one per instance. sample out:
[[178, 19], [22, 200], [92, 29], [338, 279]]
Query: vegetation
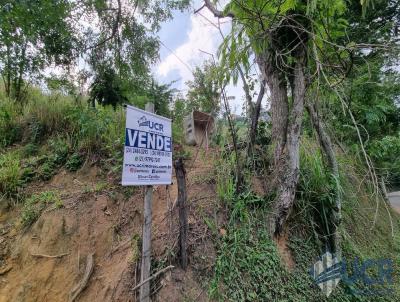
[[34, 206], [55, 135], [10, 174], [249, 266], [204, 91]]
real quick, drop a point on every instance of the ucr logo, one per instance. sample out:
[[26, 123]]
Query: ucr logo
[[327, 273], [143, 122]]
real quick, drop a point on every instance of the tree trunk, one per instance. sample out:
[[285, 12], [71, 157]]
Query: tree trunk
[[254, 119], [327, 147], [8, 82], [246, 88], [239, 175], [277, 84], [289, 165], [19, 81]]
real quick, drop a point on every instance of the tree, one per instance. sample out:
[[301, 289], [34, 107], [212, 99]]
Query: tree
[[106, 89], [297, 46], [371, 89], [46, 33], [179, 109], [33, 35], [128, 45], [204, 91], [162, 97]]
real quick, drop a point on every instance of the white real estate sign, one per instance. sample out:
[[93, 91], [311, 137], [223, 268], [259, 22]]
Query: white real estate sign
[[148, 149]]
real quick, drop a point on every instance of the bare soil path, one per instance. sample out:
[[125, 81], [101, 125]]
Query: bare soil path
[[394, 198]]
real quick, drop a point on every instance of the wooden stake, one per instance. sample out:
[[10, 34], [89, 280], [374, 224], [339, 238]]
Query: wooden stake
[[144, 295], [183, 224]]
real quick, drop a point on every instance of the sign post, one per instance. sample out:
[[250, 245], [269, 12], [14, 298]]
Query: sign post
[[144, 293], [147, 162]]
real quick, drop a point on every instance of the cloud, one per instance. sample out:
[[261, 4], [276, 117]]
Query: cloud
[[201, 35]]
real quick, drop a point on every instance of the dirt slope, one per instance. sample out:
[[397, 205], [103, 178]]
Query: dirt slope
[[104, 220]]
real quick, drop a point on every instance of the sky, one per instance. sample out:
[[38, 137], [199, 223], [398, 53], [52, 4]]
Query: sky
[[182, 38]]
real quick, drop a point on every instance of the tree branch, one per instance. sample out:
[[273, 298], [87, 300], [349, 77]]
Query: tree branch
[[49, 256], [217, 13], [114, 29], [83, 283], [152, 277], [254, 118]]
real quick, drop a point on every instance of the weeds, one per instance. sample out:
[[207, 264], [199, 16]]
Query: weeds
[[135, 249], [44, 116], [34, 206], [57, 133], [30, 149], [10, 129], [10, 174], [96, 189], [225, 182], [248, 266], [74, 162], [86, 130]]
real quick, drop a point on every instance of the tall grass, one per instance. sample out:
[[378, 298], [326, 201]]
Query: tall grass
[[10, 174], [48, 113], [89, 130], [10, 124], [56, 132]]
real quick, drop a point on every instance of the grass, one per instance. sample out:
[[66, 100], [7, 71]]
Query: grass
[[89, 130], [10, 174], [10, 128], [34, 206], [97, 188], [55, 133], [248, 266]]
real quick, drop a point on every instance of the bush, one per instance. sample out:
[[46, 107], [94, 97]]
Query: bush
[[10, 174], [10, 129], [59, 149], [96, 131], [74, 162], [47, 170], [57, 153], [248, 266], [61, 132], [385, 153], [30, 149]]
